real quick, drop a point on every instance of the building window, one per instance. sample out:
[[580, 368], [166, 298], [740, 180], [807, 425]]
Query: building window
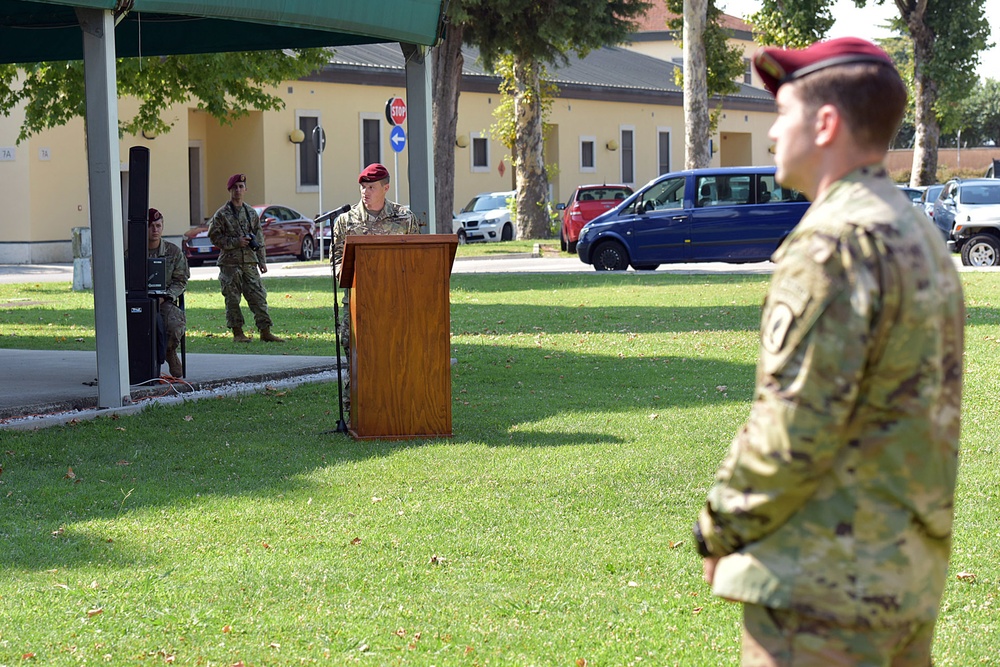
[[663, 150], [628, 154], [480, 153], [371, 139], [747, 72], [307, 159], [588, 156]]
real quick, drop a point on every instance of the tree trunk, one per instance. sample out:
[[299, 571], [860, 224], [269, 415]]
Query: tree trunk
[[447, 63], [529, 162], [696, 116], [927, 131]]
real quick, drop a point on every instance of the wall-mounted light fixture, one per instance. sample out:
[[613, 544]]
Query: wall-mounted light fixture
[[611, 145], [149, 134], [462, 141], [296, 136]]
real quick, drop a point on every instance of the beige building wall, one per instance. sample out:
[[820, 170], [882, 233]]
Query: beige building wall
[[46, 181]]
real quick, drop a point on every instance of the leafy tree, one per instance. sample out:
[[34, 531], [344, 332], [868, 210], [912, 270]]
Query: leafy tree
[[946, 35], [226, 85], [534, 34], [711, 67]]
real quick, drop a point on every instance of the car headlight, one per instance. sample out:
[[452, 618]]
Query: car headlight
[[583, 233]]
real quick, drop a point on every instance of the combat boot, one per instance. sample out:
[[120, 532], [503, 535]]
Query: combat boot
[[239, 336], [173, 362], [268, 337]]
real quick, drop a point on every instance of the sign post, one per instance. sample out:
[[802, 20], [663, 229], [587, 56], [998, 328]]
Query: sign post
[[395, 113], [319, 141]]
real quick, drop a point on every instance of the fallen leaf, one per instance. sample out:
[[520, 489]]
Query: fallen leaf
[[188, 418], [581, 662], [94, 612], [123, 462], [27, 656], [654, 416], [401, 632], [274, 645], [696, 610], [69, 474], [965, 576], [376, 499], [633, 584], [58, 531], [356, 540], [674, 545], [119, 428], [721, 387], [226, 629], [265, 545]]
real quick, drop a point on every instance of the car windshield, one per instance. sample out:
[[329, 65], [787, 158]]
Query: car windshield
[[980, 194], [486, 203], [604, 194], [932, 192]]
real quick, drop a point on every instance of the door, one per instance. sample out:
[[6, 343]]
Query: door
[[660, 228]]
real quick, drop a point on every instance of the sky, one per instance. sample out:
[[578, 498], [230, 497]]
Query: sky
[[868, 22]]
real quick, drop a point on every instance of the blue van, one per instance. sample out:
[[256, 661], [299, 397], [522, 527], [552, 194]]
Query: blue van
[[729, 214]]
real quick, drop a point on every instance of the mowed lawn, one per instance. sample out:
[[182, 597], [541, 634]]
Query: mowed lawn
[[590, 413]]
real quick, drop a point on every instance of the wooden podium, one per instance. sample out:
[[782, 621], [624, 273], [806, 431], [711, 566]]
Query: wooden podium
[[400, 361]]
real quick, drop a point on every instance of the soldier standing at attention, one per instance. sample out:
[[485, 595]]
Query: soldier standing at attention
[[177, 271], [831, 517], [235, 231], [374, 214]]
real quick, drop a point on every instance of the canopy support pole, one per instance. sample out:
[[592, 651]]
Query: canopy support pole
[[419, 138], [104, 171]]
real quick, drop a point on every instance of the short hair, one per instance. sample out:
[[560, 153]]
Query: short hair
[[871, 97]]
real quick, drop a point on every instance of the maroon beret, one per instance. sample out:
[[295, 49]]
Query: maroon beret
[[154, 215], [373, 172], [778, 66], [234, 179]]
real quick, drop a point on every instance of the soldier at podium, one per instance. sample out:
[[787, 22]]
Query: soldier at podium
[[374, 214]]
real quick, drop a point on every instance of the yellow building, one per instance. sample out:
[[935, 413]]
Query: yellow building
[[618, 118]]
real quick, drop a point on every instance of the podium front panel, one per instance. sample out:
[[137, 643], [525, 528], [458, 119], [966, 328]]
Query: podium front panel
[[401, 339]]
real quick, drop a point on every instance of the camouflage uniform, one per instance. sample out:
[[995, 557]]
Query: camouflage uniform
[[177, 277], [238, 273], [833, 509], [392, 219]]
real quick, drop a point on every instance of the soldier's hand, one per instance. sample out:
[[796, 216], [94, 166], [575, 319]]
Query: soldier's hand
[[708, 569], [244, 242], [262, 267]]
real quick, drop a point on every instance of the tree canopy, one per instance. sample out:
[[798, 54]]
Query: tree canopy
[[226, 85]]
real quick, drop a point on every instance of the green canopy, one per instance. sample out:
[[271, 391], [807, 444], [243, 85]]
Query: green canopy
[[38, 30]]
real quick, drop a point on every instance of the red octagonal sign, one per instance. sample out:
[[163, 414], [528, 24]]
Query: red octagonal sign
[[395, 110]]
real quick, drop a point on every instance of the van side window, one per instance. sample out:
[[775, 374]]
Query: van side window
[[668, 194], [724, 190], [768, 191]]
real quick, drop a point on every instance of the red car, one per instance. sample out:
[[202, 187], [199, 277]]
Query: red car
[[587, 202], [286, 232]]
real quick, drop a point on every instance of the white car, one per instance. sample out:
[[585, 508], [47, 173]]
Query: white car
[[485, 218]]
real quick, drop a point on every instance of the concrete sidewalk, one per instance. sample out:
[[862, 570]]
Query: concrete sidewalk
[[41, 383]]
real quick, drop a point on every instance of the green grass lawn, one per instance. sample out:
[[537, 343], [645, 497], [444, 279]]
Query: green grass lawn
[[590, 412]]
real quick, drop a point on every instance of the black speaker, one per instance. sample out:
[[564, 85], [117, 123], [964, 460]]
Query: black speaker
[[141, 322], [138, 208]]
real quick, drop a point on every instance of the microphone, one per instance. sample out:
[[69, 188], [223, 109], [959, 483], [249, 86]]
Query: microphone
[[329, 215]]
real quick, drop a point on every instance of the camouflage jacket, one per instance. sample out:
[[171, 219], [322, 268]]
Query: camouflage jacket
[[226, 229], [392, 219], [836, 497], [176, 268]]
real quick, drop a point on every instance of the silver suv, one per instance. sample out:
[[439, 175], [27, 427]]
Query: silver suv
[[968, 213]]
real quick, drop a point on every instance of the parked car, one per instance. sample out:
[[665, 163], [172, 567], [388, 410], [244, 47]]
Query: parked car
[[729, 214], [930, 196], [914, 193], [485, 218], [286, 232], [968, 214], [586, 203]]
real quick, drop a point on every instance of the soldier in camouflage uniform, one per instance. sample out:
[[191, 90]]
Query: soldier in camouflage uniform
[[374, 214], [174, 321], [235, 230], [831, 517]]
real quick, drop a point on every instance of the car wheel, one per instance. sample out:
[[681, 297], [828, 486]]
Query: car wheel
[[507, 234], [646, 267], [610, 256], [461, 237], [308, 249], [562, 241], [571, 247], [981, 250]]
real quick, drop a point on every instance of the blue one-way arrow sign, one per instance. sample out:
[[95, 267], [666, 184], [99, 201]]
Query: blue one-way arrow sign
[[397, 137]]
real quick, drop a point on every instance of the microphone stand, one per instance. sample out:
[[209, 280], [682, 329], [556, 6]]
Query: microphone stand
[[331, 215]]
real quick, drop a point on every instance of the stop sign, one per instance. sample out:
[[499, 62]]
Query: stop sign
[[395, 110]]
